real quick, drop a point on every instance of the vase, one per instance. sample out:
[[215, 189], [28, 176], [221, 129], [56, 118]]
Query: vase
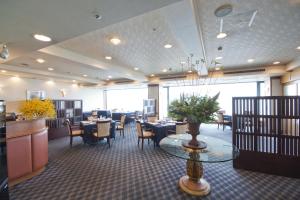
[[194, 143], [194, 131]]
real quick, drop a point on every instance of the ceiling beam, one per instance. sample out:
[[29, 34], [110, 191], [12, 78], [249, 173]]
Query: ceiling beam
[[293, 65], [46, 74], [123, 71]]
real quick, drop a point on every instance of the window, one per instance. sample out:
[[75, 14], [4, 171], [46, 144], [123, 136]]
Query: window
[[126, 99], [227, 91]]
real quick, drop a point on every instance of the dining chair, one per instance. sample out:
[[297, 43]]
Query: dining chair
[[180, 128], [152, 119], [222, 121], [103, 130], [73, 131], [143, 134], [121, 125]]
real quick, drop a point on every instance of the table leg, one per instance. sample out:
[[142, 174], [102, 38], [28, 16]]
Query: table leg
[[193, 183]]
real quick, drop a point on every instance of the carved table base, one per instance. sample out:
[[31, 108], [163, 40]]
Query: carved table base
[[193, 183]]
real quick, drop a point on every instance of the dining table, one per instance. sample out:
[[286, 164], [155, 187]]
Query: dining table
[[160, 129], [88, 128]]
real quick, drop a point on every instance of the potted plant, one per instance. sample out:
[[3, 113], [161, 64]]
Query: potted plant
[[195, 110], [37, 109]]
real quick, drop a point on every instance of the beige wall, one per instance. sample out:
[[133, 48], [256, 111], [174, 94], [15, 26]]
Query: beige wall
[[14, 90]]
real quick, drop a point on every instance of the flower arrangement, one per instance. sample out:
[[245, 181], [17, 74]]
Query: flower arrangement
[[196, 109], [35, 108]]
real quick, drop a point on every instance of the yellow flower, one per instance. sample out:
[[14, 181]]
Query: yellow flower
[[35, 108]]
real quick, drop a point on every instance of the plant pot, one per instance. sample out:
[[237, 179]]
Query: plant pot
[[194, 143]]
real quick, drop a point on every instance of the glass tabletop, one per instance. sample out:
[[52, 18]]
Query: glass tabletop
[[217, 150]]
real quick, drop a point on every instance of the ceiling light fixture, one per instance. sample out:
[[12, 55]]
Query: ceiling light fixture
[[221, 34], [136, 68], [168, 46], [250, 60], [109, 76], [115, 41], [219, 58], [152, 75], [3, 71], [4, 54], [182, 62], [190, 71], [108, 79], [217, 68], [74, 81], [108, 57], [40, 60], [42, 38], [164, 70], [50, 69], [276, 63], [84, 75], [298, 48]]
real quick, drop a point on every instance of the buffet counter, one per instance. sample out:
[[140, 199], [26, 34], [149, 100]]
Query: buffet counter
[[27, 149]]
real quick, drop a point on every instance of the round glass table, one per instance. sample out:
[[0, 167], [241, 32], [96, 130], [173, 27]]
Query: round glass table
[[217, 150]]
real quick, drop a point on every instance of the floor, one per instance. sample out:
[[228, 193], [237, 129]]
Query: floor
[[124, 171]]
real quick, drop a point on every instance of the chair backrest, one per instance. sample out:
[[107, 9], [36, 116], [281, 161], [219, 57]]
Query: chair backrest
[[181, 128], [220, 117], [103, 128], [122, 121], [139, 128], [152, 119], [67, 123]]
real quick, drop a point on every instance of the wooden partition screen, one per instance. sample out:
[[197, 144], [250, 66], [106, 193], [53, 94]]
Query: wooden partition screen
[[266, 130]]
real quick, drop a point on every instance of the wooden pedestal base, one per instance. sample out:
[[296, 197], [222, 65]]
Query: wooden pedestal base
[[200, 188], [193, 183]]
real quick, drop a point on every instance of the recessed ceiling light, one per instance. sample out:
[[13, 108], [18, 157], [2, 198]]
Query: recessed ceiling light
[[276, 63], [42, 38], [40, 60], [108, 79], [152, 75], [164, 70], [298, 48], [168, 46], [219, 58], [190, 71], [217, 68], [250, 60], [3, 71], [74, 81], [109, 76], [50, 69], [115, 41], [108, 57], [221, 35], [136, 68], [84, 75], [182, 62]]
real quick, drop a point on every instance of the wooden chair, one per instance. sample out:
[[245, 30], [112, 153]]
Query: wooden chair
[[103, 130], [142, 134], [152, 119], [222, 121], [74, 131], [181, 128], [121, 125]]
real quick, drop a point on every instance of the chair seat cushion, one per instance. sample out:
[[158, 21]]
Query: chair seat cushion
[[147, 134], [76, 132], [120, 127], [96, 135]]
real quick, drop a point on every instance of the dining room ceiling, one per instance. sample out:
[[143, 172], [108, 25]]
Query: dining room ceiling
[[81, 43]]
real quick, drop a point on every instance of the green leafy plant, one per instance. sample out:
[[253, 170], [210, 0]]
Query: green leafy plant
[[195, 109]]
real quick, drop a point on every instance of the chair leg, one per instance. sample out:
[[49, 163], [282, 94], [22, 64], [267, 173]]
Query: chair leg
[[142, 143], [223, 127], [138, 142], [148, 141], [218, 125], [108, 140], [71, 141], [153, 143]]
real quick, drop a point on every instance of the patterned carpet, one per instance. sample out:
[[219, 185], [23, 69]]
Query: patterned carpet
[[126, 172]]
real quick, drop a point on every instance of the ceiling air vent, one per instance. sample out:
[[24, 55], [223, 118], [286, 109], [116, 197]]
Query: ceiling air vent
[[124, 82], [173, 77], [243, 71]]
